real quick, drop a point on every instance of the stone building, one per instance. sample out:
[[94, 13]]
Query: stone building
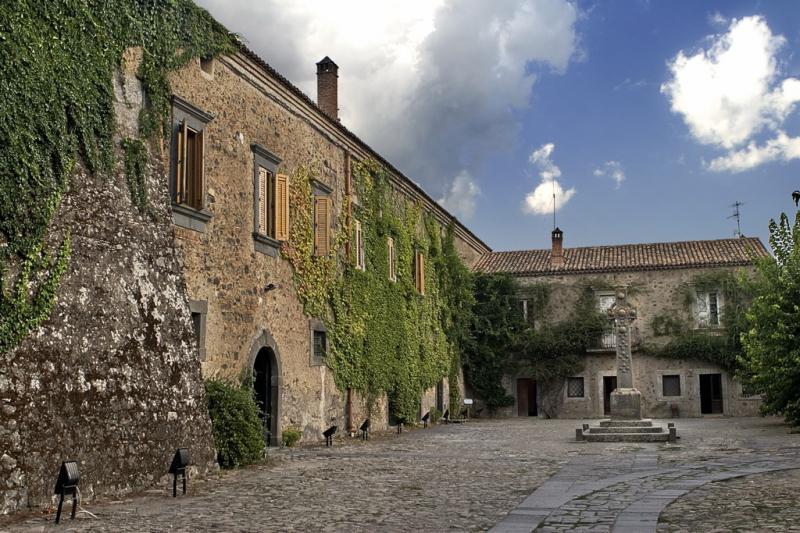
[[230, 221], [665, 282], [193, 286]]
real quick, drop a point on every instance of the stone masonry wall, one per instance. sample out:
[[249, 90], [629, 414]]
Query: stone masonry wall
[[651, 293], [223, 265], [112, 379]]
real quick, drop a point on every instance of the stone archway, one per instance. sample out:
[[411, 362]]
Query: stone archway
[[264, 361]]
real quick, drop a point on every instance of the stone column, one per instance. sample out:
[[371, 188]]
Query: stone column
[[626, 399]]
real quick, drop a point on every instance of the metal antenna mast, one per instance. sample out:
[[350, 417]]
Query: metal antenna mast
[[737, 215], [554, 204]]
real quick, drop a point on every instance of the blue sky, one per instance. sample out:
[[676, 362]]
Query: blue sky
[[482, 102]]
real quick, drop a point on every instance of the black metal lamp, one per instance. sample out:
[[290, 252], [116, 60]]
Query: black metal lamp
[[67, 483], [179, 463], [400, 422], [328, 434], [364, 427], [425, 419]]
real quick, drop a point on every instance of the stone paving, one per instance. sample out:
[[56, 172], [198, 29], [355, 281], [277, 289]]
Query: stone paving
[[517, 475]]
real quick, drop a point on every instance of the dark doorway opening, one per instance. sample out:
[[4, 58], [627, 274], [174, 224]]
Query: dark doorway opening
[[440, 396], [711, 394], [526, 397], [265, 389], [609, 385]]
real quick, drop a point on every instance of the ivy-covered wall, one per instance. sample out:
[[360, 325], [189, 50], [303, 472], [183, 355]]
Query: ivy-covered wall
[[665, 334], [385, 337], [97, 356]]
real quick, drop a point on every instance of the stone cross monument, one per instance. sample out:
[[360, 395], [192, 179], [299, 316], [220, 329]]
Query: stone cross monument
[[626, 399]]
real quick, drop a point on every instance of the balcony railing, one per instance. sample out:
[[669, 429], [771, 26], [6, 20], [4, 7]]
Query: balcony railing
[[607, 342]]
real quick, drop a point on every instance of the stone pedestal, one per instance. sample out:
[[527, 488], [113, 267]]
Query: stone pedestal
[[626, 404]]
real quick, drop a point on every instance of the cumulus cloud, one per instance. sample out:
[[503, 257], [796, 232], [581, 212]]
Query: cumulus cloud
[[732, 93], [433, 85], [612, 169], [540, 200], [461, 197]]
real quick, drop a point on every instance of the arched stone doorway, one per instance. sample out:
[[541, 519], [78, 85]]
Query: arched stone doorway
[[266, 385]]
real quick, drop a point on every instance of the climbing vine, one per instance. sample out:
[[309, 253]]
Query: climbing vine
[[721, 346], [58, 108], [384, 337]]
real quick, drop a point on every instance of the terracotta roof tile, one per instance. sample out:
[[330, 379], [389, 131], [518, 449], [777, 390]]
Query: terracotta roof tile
[[627, 257]]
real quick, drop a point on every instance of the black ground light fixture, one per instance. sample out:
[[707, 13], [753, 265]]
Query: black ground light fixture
[[425, 419], [328, 434], [178, 466], [446, 416], [400, 422], [364, 427], [67, 483]]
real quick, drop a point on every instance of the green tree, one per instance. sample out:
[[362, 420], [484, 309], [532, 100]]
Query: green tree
[[771, 360]]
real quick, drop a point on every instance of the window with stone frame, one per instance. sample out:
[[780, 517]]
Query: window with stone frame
[[271, 198], [187, 179], [320, 345], [605, 299], [671, 385], [708, 309], [575, 388]]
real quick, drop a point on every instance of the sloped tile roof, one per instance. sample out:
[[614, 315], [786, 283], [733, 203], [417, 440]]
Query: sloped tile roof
[[626, 257]]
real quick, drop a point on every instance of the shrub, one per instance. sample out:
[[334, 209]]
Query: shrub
[[291, 436], [235, 423]]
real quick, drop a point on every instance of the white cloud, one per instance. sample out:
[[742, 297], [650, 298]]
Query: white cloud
[[433, 85], [461, 197], [717, 20], [781, 148], [731, 93], [540, 200], [612, 169]]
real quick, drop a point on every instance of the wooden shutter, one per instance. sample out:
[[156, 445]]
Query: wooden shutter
[[390, 246], [359, 246], [282, 207], [198, 179], [322, 224], [180, 164], [262, 201], [420, 273]]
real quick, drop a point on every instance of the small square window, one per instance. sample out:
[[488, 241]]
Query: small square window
[[207, 64], [671, 385], [575, 388]]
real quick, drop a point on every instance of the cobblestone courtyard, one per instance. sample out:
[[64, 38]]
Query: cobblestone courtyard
[[517, 475]]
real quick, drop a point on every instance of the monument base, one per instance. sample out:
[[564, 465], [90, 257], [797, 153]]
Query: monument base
[[626, 404]]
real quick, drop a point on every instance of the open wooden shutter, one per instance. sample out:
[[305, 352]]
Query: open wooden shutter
[[262, 201], [180, 164], [420, 273], [357, 240], [390, 254], [198, 180], [282, 207], [322, 225]]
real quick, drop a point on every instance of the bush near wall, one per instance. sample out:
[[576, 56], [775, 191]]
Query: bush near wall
[[235, 423]]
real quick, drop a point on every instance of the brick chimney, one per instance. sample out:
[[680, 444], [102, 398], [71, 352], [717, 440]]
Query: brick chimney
[[557, 253], [327, 87]]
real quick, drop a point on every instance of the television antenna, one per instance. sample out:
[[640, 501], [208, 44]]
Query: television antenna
[[738, 216]]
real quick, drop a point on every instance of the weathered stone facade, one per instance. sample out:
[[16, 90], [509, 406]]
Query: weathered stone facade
[[227, 269], [652, 291], [112, 379]]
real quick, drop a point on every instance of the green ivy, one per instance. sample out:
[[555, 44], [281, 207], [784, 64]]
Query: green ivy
[[384, 337], [135, 166], [721, 346], [57, 107]]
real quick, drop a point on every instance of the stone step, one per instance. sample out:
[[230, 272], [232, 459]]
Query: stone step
[[627, 423], [626, 429], [626, 437]]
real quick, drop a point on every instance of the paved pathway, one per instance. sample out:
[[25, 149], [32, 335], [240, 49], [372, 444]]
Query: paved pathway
[[457, 478]]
